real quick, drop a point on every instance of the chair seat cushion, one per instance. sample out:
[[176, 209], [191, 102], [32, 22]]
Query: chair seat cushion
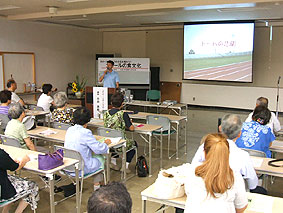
[[172, 131]]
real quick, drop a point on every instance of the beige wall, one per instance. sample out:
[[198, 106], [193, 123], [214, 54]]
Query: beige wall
[[60, 52], [165, 49]]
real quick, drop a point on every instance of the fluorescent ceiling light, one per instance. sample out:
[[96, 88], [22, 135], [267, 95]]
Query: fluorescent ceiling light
[[147, 14], [74, 19], [241, 9], [72, 1], [8, 7], [104, 25], [209, 7]]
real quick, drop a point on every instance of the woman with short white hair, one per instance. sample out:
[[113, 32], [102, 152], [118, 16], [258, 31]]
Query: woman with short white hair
[[62, 114]]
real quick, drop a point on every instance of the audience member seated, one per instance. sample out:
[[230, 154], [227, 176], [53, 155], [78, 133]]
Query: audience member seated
[[213, 186], [111, 198], [62, 114], [45, 100], [13, 186], [256, 134], [16, 129], [273, 123], [81, 139], [239, 160], [12, 86], [115, 118], [5, 98]]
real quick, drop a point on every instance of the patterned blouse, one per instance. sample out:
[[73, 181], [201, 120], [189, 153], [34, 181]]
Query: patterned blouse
[[63, 116]]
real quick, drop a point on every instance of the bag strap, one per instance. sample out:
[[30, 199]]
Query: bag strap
[[271, 163]]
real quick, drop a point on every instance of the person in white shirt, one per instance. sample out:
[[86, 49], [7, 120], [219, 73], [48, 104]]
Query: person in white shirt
[[28, 121], [212, 186], [239, 159], [45, 100], [12, 86], [273, 123]]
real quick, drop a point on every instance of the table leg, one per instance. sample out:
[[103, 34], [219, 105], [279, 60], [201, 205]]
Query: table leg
[[143, 206], [51, 192], [186, 126], [177, 141], [161, 149], [78, 195], [108, 167], [150, 155], [124, 162]]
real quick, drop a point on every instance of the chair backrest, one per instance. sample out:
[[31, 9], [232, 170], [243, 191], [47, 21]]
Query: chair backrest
[[69, 153], [159, 121], [36, 108], [10, 141], [107, 132], [58, 125], [4, 121], [153, 95], [255, 153]]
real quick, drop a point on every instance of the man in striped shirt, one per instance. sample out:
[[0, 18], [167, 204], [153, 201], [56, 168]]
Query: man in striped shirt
[[5, 98]]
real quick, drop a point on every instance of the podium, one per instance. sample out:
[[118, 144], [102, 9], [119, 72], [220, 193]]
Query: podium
[[89, 98]]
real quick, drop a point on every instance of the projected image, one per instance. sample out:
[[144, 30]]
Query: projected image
[[219, 52]]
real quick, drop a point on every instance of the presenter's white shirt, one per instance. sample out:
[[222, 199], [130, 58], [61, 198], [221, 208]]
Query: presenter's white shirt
[[15, 98], [273, 123], [239, 161], [199, 202], [45, 101]]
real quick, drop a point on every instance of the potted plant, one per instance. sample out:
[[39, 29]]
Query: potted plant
[[78, 86]]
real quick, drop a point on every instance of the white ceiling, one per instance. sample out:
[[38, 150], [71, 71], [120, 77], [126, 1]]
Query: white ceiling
[[134, 13]]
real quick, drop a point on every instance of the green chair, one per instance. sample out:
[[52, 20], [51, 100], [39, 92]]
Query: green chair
[[166, 128], [154, 95]]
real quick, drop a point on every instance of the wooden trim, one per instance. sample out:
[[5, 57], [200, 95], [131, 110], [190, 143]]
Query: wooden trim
[[4, 82], [19, 53]]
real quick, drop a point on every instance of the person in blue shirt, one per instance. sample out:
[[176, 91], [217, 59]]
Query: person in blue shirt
[[256, 134], [110, 77], [81, 139]]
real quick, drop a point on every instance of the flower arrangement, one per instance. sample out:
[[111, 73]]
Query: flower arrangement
[[77, 85]]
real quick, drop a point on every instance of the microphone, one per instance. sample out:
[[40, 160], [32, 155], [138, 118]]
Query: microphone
[[279, 80]]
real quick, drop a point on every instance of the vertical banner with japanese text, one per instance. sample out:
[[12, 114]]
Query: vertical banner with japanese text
[[100, 101]]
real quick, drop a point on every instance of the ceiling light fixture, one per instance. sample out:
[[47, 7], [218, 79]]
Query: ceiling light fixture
[[71, 1], [8, 7], [52, 10]]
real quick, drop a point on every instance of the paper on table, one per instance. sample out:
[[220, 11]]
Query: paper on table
[[257, 162], [48, 132], [277, 143], [261, 204], [95, 120], [114, 141]]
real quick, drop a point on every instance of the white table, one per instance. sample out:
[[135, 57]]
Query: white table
[[59, 137], [145, 129], [32, 166], [176, 108], [147, 195]]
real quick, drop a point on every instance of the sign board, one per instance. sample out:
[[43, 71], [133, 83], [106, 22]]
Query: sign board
[[130, 70]]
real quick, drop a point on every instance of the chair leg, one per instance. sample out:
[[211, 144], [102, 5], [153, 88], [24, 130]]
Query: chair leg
[[81, 193], [104, 177], [169, 138]]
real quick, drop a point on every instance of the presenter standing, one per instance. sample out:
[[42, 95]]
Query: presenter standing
[[110, 77]]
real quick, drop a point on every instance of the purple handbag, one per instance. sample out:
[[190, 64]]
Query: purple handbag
[[50, 161]]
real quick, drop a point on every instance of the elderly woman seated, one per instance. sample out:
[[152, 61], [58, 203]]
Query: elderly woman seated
[[256, 134], [61, 114], [16, 129], [13, 187], [81, 139]]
